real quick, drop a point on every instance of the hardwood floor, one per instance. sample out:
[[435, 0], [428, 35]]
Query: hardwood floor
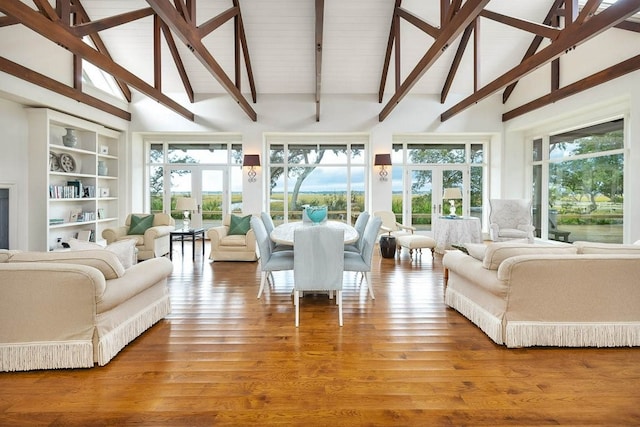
[[223, 357]]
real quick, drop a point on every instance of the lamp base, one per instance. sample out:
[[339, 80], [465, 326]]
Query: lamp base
[[185, 220], [452, 209]]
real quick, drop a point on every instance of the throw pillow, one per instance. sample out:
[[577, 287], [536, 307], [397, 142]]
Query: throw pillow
[[125, 249], [476, 250], [140, 224], [239, 225]]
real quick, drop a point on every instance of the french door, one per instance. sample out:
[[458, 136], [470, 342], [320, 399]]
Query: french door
[[424, 189], [206, 184]]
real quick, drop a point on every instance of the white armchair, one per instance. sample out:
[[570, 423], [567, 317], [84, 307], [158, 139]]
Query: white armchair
[[231, 247], [155, 240], [510, 219], [391, 226]]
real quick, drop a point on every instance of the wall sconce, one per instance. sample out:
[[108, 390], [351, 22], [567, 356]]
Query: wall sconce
[[251, 161], [186, 205], [452, 194], [383, 160]]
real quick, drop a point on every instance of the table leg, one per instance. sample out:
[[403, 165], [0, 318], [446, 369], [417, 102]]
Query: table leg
[[193, 244], [170, 247]]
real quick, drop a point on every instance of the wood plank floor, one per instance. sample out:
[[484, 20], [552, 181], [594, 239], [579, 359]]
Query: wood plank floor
[[223, 357]]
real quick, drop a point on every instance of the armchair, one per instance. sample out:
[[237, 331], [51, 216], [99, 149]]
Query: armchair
[[155, 240], [391, 226], [231, 247], [510, 219]]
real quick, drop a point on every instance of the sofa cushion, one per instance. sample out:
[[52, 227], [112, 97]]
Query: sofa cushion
[[476, 250], [140, 224], [235, 240], [239, 225], [606, 248], [498, 252], [105, 261], [124, 249]]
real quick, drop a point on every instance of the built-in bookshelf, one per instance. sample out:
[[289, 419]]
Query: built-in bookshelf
[[73, 190]]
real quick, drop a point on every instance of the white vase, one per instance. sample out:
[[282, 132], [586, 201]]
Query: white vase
[[70, 139], [102, 168]]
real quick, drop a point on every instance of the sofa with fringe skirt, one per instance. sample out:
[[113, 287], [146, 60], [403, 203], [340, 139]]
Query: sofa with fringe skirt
[[524, 295], [75, 309]]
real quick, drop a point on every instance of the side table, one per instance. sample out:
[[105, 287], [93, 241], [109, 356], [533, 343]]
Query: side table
[[181, 234], [448, 231], [388, 246]]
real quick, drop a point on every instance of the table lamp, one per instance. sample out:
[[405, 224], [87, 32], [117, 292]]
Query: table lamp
[[452, 194], [186, 205]]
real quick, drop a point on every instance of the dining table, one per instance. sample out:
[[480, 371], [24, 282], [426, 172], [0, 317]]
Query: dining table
[[284, 232]]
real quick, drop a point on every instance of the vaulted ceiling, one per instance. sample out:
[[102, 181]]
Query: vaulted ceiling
[[386, 48]]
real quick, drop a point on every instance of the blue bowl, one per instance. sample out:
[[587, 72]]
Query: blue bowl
[[316, 214]]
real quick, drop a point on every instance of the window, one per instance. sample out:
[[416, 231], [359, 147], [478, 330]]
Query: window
[[317, 170], [209, 170], [580, 175], [423, 168]]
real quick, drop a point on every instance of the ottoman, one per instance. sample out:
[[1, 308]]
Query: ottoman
[[416, 241]]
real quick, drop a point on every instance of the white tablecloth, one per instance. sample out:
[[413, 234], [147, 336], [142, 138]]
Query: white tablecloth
[[454, 231], [283, 233]]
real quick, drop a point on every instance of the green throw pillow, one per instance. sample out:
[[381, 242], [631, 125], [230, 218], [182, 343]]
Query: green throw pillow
[[239, 225], [139, 224]]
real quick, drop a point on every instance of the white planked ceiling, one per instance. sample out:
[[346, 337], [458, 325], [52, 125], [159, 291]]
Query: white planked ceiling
[[280, 37]]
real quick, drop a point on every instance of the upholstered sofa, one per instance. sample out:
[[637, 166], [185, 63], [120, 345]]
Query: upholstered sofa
[[153, 242], [77, 308], [522, 295], [227, 246]]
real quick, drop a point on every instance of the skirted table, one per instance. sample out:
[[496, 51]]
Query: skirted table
[[457, 230]]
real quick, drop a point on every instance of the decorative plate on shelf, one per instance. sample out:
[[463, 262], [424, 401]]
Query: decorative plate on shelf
[[67, 163], [54, 162]]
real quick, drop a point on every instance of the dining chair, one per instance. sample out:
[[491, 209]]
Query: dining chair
[[318, 264], [269, 225], [361, 261], [360, 225], [269, 261]]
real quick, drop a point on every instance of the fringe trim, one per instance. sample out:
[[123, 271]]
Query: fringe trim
[[46, 355], [583, 334], [110, 344], [487, 322]]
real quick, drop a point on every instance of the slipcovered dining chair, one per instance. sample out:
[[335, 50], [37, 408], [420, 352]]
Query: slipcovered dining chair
[[269, 225], [510, 219], [361, 261], [318, 263], [360, 225], [269, 261]]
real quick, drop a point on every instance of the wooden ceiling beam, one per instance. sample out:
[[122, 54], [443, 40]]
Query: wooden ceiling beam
[[387, 55], [206, 28], [245, 50], [542, 30], [177, 60], [455, 64], [535, 44], [450, 31], [61, 34], [568, 40], [588, 10], [319, 36], [89, 27], [48, 83], [189, 35], [418, 22], [629, 26], [613, 72]]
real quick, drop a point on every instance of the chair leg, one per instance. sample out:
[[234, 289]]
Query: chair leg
[[339, 300], [296, 302], [367, 276], [263, 278]]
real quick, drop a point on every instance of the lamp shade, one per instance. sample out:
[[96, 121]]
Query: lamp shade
[[382, 160], [251, 160], [452, 193], [186, 204]]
